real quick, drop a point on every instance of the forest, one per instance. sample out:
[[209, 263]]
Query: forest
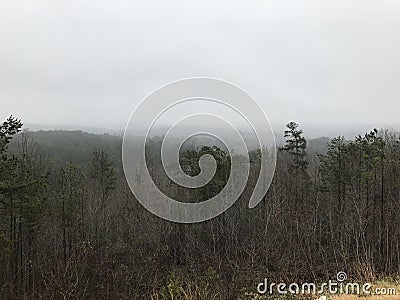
[[70, 228]]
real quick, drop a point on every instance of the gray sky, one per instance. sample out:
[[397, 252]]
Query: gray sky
[[88, 63]]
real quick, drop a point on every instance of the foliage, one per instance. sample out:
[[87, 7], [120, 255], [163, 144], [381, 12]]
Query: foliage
[[296, 146], [70, 227]]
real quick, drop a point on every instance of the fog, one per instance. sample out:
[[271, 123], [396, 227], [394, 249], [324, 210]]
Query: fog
[[329, 65]]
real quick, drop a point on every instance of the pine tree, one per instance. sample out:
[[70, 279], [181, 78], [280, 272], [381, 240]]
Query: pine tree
[[296, 146], [22, 198]]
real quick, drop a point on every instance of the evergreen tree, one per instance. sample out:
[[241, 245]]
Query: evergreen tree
[[296, 146], [22, 199]]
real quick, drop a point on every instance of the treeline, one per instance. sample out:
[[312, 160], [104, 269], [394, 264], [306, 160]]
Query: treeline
[[70, 228], [75, 146]]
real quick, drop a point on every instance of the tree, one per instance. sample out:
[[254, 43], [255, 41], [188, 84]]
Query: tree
[[296, 146], [332, 168], [189, 161], [22, 197], [101, 172], [71, 191], [8, 129]]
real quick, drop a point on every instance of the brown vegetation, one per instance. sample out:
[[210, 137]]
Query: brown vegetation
[[76, 232]]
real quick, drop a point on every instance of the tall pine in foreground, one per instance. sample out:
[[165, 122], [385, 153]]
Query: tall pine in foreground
[[23, 184], [296, 146], [297, 177]]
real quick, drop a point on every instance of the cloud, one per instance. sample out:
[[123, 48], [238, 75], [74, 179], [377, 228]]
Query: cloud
[[90, 62]]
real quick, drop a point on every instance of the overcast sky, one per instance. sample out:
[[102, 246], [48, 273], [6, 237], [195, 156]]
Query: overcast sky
[[88, 63]]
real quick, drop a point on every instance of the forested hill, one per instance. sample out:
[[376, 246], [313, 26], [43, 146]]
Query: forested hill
[[77, 146], [72, 146]]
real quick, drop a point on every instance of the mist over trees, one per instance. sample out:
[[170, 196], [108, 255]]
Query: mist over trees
[[70, 227]]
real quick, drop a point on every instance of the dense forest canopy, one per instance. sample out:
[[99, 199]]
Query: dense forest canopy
[[70, 227]]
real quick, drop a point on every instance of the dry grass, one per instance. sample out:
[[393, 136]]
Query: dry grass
[[176, 290]]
